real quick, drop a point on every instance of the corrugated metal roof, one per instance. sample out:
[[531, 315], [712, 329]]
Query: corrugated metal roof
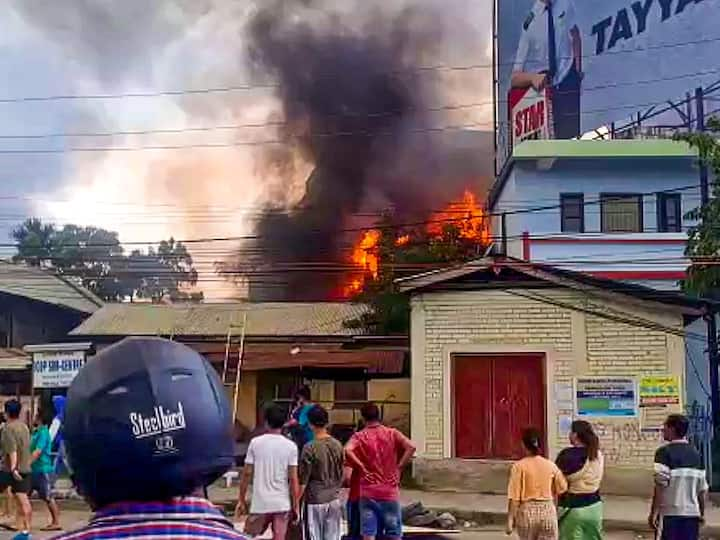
[[263, 319], [14, 359], [632, 148], [42, 286]]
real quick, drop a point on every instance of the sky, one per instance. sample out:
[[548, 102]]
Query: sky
[[188, 59]]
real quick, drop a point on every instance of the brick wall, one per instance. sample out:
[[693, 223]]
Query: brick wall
[[575, 343]]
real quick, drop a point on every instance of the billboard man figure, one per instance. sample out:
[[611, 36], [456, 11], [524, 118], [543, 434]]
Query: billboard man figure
[[550, 54]]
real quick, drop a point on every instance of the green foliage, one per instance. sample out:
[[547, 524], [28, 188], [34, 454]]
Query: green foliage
[[390, 309], [95, 258], [704, 238]]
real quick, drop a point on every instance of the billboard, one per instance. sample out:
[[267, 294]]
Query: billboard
[[593, 62]]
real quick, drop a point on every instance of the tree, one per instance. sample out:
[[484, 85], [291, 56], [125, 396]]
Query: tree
[[95, 258], [389, 309], [703, 247], [158, 274], [34, 240]]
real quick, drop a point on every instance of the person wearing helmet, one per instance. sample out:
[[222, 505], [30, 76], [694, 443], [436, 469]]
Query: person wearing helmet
[[147, 427]]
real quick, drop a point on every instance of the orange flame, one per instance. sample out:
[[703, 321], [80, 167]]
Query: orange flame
[[365, 258], [466, 215]]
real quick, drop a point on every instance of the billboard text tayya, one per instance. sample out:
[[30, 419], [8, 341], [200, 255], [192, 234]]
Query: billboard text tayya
[[598, 61]]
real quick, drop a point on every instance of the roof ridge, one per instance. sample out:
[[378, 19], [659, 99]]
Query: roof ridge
[[53, 274], [86, 293]]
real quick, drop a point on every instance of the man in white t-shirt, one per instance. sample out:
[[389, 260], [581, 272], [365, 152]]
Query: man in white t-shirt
[[271, 463]]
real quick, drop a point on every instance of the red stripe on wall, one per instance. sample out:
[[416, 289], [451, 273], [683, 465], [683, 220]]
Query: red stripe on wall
[[608, 240]]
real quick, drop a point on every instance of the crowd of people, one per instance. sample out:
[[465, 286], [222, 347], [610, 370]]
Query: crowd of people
[[297, 484], [561, 500], [27, 468], [142, 454]]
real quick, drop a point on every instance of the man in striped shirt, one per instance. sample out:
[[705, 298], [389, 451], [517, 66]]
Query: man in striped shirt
[[147, 427], [186, 517], [678, 505]]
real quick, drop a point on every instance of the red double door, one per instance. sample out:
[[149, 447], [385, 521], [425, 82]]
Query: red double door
[[496, 397]]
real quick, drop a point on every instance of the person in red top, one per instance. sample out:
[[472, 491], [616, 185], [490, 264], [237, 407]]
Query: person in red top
[[379, 453]]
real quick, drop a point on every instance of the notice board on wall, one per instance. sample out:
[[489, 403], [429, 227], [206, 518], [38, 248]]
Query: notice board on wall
[[605, 396]]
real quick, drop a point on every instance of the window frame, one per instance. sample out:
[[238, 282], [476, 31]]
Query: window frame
[[565, 196], [616, 195], [662, 225]]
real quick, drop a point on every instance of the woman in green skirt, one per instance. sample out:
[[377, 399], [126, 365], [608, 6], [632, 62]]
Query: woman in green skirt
[[580, 509]]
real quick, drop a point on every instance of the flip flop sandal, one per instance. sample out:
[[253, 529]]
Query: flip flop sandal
[[54, 528]]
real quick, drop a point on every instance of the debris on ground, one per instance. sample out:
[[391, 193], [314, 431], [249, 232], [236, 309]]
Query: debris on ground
[[416, 515]]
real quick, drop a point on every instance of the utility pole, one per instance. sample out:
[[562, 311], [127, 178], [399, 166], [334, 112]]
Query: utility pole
[[710, 316], [700, 112]]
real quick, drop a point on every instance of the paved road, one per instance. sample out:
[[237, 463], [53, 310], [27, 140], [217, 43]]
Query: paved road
[[73, 518]]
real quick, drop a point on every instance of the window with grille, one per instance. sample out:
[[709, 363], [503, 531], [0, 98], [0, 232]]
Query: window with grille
[[621, 212]]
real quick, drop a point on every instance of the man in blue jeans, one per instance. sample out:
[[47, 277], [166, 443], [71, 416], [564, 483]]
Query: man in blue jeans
[[379, 453]]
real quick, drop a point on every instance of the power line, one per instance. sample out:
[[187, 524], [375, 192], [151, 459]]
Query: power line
[[253, 86], [639, 322], [277, 141], [396, 226], [279, 123], [287, 139], [233, 127]]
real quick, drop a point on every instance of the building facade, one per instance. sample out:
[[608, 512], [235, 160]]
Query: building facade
[[284, 345], [35, 307], [616, 209], [500, 345]]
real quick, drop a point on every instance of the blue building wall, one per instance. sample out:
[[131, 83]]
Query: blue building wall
[[529, 186], [539, 184]]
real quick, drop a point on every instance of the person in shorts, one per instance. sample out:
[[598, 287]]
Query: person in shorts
[[271, 464], [321, 479], [42, 468], [15, 474], [380, 453], [7, 506]]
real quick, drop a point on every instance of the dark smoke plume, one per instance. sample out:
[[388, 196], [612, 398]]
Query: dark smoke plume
[[357, 107], [356, 111]]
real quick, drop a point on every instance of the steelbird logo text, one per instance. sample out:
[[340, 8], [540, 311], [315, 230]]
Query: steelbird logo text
[[159, 422]]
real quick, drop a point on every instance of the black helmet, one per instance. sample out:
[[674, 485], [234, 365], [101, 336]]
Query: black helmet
[[147, 419]]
